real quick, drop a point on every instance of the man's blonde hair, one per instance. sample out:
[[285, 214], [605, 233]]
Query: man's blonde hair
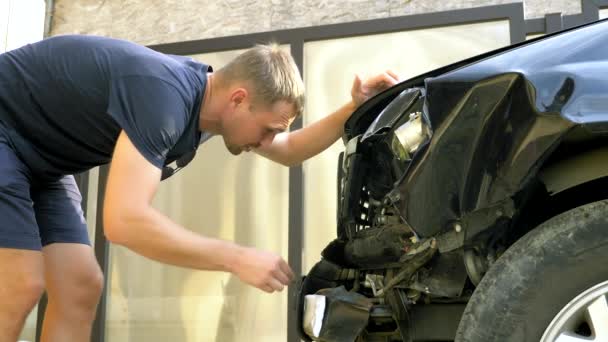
[[272, 73]]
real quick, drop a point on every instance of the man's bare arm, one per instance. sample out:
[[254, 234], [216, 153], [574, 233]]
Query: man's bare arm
[[130, 220], [293, 148]]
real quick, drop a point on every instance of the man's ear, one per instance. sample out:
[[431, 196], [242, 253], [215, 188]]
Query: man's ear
[[238, 95]]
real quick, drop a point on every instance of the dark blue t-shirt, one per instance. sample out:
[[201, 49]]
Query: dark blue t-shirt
[[64, 101]]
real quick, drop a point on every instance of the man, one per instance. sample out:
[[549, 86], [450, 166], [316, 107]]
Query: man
[[70, 103]]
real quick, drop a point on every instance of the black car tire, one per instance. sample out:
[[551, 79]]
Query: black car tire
[[537, 276]]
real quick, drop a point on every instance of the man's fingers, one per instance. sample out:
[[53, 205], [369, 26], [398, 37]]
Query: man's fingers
[[356, 85], [275, 285], [388, 79], [376, 80], [287, 270], [357, 81], [266, 288], [380, 82], [393, 74], [282, 277]]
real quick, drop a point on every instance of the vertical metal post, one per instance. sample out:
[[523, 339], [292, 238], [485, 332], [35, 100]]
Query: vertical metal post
[[102, 251], [40, 316], [553, 22], [296, 214], [591, 9], [517, 23]]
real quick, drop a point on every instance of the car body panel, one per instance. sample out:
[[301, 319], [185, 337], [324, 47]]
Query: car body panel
[[495, 120]]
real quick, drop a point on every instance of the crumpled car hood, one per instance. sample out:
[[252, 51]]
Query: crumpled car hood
[[495, 118]]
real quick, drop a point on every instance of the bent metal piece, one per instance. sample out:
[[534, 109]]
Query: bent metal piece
[[335, 314], [411, 266]]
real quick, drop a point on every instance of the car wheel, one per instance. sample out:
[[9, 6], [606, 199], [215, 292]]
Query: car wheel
[[550, 286]]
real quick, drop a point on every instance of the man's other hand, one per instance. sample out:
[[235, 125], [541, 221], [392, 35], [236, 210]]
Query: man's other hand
[[264, 270], [363, 90]]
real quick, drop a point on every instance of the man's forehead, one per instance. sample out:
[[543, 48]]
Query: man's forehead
[[283, 120], [285, 113]]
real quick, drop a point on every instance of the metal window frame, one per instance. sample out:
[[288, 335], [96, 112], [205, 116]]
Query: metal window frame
[[554, 22], [296, 38]]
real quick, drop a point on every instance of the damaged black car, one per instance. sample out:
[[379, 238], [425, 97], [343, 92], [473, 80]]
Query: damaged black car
[[473, 204]]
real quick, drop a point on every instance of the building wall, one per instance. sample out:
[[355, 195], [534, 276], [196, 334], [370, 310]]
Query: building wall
[[162, 21]]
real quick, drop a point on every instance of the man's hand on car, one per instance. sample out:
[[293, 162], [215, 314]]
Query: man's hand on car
[[363, 90]]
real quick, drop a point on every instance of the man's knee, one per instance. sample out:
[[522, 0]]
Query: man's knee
[[22, 292], [93, 282], [79, 292], [19, 293]]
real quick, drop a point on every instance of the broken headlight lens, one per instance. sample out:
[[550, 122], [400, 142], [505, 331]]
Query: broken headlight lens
[[407, 138]]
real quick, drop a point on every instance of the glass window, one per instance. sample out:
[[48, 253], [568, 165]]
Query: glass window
[[532, 36], [603, 13], [91, 211], [329, 67], [4, 11], [243, 199], [24, 23]]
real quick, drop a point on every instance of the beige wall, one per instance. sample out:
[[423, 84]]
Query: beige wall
[[162, 21]]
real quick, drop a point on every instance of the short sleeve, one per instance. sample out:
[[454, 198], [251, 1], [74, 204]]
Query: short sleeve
[[151, 111]]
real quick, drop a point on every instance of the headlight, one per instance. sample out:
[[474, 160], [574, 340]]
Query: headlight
[[406, 139], [401, 125]]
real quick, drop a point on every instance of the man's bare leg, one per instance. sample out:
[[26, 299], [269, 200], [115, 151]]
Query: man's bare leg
[[74, 285], [21, 285]]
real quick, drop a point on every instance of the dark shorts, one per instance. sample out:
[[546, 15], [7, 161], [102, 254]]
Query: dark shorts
[[36, 213]]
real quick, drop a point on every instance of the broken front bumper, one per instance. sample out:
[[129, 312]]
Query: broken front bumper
[[327, 312]]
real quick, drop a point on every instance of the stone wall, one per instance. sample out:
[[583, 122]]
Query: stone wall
[[164, 21]]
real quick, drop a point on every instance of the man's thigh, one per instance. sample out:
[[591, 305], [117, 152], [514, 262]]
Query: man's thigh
[[21, 263], [69, 262]]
